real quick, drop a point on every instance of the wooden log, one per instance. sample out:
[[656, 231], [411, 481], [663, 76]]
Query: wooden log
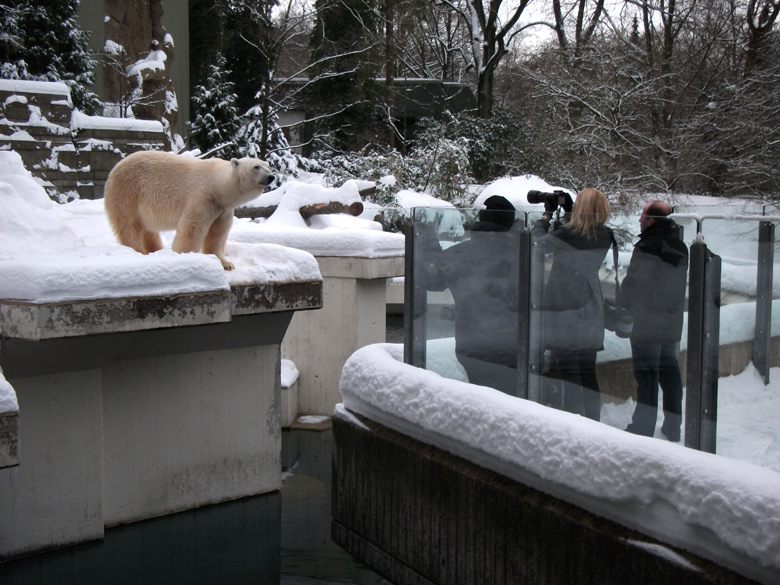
[[355, 208]]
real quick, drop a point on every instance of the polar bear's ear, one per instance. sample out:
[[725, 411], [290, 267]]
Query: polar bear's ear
[[234, 162]]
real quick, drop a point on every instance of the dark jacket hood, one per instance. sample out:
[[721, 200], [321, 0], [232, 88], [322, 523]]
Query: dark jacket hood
[[661, 231]]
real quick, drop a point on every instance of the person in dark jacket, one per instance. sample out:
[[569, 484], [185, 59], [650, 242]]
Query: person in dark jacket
[[573, 307], [482, 276], [653, 293]]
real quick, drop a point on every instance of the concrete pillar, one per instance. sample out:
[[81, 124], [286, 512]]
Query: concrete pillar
[[352, 316], [54, 497], [188, 430], [135, 408]]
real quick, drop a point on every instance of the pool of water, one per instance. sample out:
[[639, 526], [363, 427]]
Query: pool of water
[[282, 538]]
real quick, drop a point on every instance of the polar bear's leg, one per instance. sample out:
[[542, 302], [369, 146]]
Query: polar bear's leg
[[193, 226], [216, 238], [189, 237], [130, 232], [151, 242]]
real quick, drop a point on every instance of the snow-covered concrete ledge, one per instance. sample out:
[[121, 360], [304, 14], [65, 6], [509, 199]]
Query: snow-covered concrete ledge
[[65, 275], [9, 425], [67, 296], [720, 509], [355, 258]]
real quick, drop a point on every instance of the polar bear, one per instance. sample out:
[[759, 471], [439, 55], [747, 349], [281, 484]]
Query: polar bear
[[153, 191]]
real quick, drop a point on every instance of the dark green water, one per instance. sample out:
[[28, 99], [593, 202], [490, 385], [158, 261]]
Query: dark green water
[[282, 538]]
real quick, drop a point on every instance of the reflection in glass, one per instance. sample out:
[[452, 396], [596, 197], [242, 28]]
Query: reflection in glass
[[447, 339], [571, 302], [481, 274]]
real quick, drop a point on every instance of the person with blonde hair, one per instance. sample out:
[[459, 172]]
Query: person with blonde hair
[[591, 210], [572, 305]]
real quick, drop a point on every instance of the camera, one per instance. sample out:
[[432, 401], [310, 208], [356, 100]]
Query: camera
[[556, 198]]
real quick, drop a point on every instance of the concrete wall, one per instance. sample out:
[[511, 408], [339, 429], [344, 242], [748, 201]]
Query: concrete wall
[[9, 439], [353, 316], [616, 379], [54, 497], [421, 516], [136, 408], [206, 430], [140, 437], [62, 155]]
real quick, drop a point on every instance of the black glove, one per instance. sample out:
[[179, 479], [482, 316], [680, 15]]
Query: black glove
[[550, 206], [568, 204]]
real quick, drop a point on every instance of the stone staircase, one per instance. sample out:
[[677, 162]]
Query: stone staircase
[[70, 153]]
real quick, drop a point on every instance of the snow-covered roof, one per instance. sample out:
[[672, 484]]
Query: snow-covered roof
[[24, 86]]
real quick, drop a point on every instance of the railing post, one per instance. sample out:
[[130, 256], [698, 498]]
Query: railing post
[[763, 336], [535, 276], [414, 302], [523, 314], [701, 400]]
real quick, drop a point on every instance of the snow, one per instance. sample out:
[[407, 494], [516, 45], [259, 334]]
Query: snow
[[113, 48], [8, 402], [289, 373], [323, 235], [720, 508], [516, 189], [79, 121], [45, 87], [51, 253]]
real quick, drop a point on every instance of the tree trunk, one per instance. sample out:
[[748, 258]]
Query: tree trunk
[[390, 74], [355, 208], [485, 94]]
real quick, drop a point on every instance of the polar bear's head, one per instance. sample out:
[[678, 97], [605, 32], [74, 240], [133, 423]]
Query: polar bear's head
[[253, 173]]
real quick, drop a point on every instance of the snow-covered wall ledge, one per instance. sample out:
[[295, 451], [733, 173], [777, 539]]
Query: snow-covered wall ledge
[[720, 509], [66, 296], [64, 274], [36, 319]]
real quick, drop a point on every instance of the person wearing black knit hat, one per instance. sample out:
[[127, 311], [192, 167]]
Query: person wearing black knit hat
[[498, 212], [482, 276]]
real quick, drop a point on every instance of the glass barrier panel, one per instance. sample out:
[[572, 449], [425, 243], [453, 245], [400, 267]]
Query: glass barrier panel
[[586, 368], [466, 285], [723, 208], [747, 413], [736, 241], [470, 316]]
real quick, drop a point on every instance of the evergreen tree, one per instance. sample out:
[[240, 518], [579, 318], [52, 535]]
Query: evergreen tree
[[345, 65], [45, 43], [215, 117], [11, 42], [262, 137], [249, 50]]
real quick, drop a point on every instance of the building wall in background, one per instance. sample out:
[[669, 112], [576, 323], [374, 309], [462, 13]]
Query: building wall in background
[[141, 29]]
